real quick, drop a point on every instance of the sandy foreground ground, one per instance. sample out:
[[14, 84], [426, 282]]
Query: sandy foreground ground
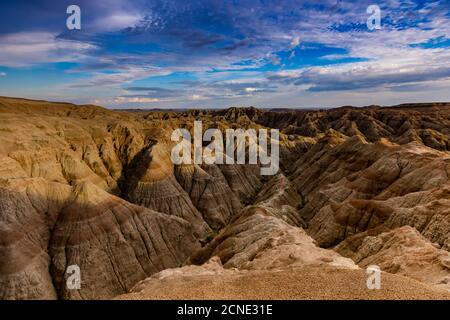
[[303, 283]]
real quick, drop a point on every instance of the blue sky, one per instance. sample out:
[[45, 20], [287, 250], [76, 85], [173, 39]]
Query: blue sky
[[186, 54]]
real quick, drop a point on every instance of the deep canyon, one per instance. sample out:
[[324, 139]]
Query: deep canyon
[[87, 186]]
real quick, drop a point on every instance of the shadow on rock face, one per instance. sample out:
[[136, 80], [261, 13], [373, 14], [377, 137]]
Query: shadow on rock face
[[47, 227]]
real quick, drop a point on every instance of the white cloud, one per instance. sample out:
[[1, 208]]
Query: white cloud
[[391, 61], [135, 100], [2, 74], [274, 59], [29, 48], [115, 21], [125, 75], [197, 97], [292, 55], [335, 56], [402, 67], [294, 43]]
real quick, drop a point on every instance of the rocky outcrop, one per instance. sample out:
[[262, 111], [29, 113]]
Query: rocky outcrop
[[29, 209], [47, 227], [210, 193], [406, 252], [152, 184], [244, 180], [258, 240], [355, 186], [280, 197], [428, 124]]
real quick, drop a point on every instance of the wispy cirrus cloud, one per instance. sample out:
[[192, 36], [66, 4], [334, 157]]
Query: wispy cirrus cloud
[[32, 48], [157, 52], [405, 66]]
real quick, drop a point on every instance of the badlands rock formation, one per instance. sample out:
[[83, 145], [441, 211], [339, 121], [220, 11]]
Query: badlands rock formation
[[95, 188], [404, 251]]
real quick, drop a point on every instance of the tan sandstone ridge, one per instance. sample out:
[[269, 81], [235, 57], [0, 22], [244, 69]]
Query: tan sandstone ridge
[[404, 251], [48, 226], [87, 186]]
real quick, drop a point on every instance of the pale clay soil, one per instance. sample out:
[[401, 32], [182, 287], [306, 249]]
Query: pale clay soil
[[303, 283]]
